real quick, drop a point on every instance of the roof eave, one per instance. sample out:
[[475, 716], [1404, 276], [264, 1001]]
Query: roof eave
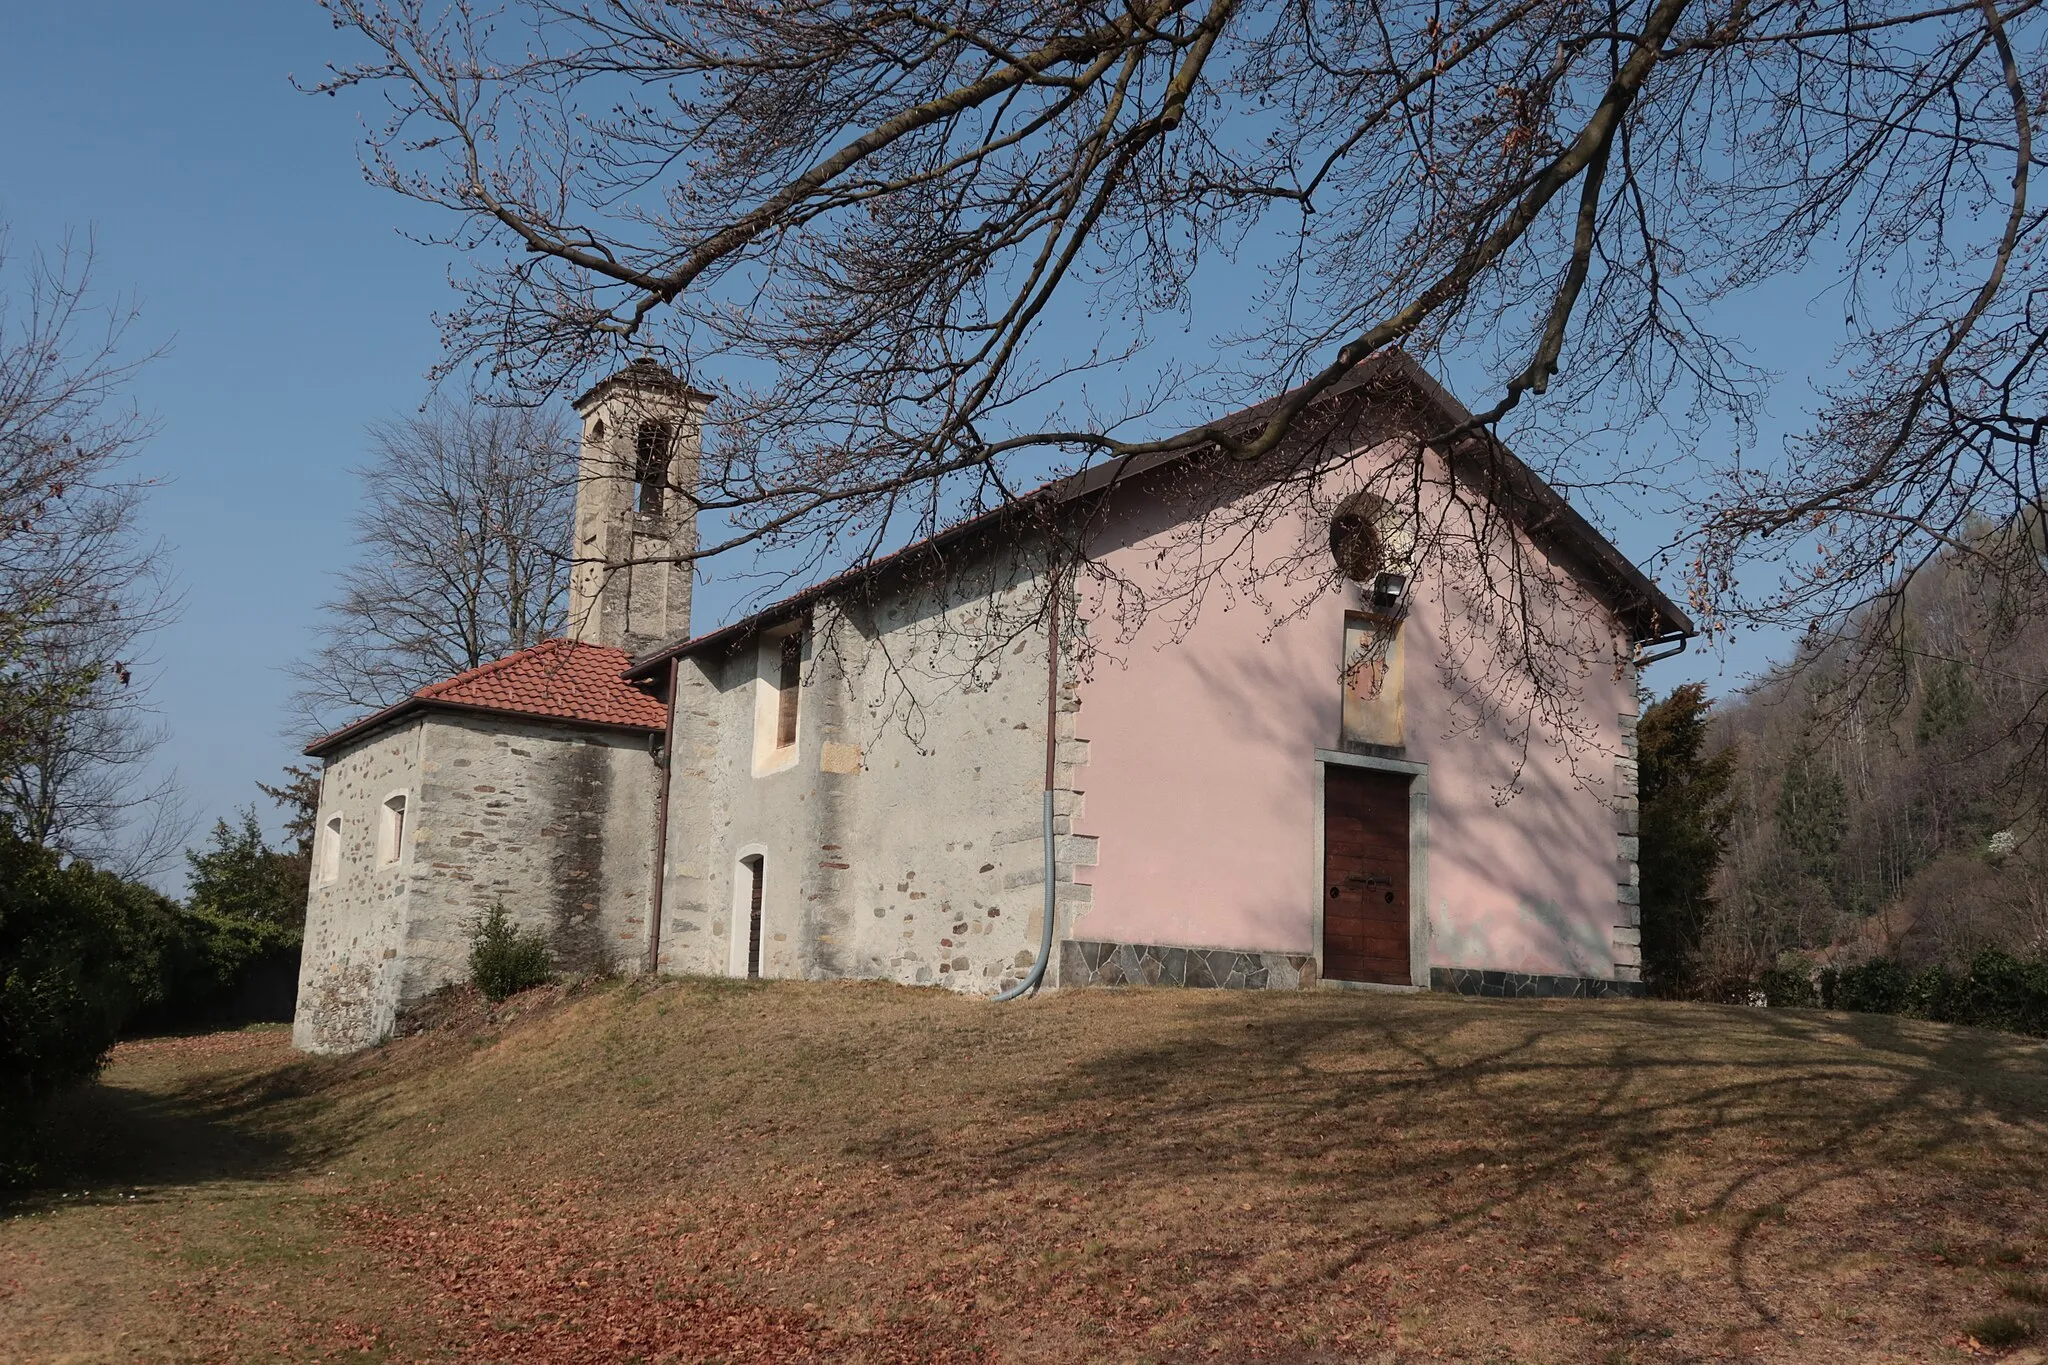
[[1633, 595], [1630, 594], [397, 711], [680, 389]]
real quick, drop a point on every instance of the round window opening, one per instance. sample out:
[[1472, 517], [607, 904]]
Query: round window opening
[[1355, 544]]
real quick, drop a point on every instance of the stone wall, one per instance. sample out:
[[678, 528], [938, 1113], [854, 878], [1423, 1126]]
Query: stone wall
[[1084, 962], [904, 841], [1628, 928], [555, 822], [1495, 985], [352, 968]]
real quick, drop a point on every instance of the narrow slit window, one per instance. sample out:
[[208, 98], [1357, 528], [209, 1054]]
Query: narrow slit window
[[650, 463], [394, 828], [754, 869], [789, 685], [330, 849]]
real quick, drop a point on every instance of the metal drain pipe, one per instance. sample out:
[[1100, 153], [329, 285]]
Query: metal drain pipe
[[668, 766], [1029, 985]]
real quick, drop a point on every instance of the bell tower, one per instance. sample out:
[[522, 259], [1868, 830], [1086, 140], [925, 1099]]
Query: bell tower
[[636, 509]]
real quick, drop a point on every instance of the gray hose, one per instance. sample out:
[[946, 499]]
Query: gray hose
[[1052, 741], [1030, 983]]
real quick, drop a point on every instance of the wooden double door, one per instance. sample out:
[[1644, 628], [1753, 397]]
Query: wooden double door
[[1365, 875]]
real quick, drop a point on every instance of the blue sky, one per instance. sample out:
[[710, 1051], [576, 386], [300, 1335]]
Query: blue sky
[[231, 206]]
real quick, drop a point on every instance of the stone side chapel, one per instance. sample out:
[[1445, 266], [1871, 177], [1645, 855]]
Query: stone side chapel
[[858, 782]]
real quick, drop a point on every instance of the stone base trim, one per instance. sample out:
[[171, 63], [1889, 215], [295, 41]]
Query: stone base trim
[[1483, 981], [1087, 962]]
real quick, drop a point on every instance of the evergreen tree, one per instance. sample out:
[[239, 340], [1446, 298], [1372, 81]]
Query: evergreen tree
[[1945, 701], [1813, 813], [240, 877], [1685, 811], [298, 796]]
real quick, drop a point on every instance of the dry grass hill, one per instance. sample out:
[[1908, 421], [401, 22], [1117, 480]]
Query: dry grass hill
[[787, 1172]]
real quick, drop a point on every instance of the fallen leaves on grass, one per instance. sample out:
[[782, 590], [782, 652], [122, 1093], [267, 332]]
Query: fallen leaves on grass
[[550, 1288]]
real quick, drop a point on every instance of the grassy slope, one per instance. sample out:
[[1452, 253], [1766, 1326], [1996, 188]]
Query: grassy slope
[[785, 1172]]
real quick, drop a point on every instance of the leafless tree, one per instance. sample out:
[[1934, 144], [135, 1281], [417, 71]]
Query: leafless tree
[[464, 534], [1889, 792], [80, 588], [950, 243]]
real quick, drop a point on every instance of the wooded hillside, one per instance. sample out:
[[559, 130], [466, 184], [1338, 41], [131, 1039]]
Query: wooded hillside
[[1887, 790]]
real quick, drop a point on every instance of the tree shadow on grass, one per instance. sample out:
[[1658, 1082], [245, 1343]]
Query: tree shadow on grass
[[1571, 1127], [108, 1142]]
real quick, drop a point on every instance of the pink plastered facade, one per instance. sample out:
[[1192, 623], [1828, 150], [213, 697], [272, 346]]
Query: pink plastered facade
[[1208, 739]]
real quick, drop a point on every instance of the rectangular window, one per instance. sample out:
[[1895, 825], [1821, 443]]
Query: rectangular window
[[330, 849], [393, 841], [789, 688], [778, 685]]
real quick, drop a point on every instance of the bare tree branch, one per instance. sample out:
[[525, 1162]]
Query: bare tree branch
[[80, 588], [464, 536], [935, 251]]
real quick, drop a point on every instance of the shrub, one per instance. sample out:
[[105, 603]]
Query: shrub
[[505, 959], [78, 953], [2007, 993], [1998, 991], [1879, 986], [1789, 984], [1937, 995], [1827, 983]]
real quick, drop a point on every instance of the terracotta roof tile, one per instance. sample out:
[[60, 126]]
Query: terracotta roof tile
[[560, 678], [556, 680]]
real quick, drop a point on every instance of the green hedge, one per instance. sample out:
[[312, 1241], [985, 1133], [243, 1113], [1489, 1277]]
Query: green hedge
[[205, 963], [1997, 991], [80, 951], [86, 956]]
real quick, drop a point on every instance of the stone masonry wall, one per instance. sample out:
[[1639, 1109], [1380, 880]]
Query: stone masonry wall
[[555, 822], [351, 969], [904, 843], [1628, 930]]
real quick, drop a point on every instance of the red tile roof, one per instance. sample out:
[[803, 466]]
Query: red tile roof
[[555, 680]]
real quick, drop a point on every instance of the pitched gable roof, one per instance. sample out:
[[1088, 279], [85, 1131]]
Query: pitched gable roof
[[1480, 460], [563, 680]]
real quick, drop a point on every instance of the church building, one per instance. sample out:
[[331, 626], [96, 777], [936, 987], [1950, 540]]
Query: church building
[[1356, 715]]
